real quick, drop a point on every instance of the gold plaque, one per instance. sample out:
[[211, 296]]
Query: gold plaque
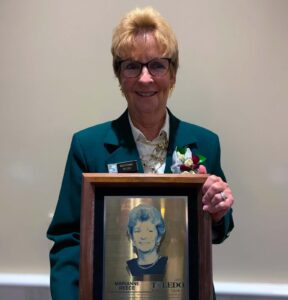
[[145, 248]]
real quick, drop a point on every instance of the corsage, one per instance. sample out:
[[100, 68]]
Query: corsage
[[184, 161]]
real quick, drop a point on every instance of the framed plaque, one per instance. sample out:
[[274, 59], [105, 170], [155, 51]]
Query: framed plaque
[[144, 236]]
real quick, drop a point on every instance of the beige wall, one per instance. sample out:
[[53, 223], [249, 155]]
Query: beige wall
[[56, 78]]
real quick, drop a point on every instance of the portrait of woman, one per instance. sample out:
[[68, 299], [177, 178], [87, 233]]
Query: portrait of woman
[[146, 229]]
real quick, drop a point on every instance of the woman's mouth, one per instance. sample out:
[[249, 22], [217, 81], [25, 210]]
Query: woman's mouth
[[146, 94]]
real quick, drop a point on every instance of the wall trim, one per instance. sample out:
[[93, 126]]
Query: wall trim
[[251, 289], [222, 288], [24, 279]]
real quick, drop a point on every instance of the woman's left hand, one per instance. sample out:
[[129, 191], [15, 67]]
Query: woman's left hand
[[217, 196]]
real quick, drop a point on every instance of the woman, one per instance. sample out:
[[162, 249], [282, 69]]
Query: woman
[[145, 61], [146, 228]]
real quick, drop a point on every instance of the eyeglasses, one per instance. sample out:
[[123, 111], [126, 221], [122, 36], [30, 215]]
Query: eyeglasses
[[156, 67]]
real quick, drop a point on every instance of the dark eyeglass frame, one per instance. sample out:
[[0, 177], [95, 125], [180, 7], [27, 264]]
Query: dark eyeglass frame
[[120, 62]]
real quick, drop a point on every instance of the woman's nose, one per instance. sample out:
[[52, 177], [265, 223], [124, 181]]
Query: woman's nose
[[143, 236], [145, 76]]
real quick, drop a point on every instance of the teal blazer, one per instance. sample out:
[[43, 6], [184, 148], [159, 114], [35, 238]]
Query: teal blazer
[[91, 150]]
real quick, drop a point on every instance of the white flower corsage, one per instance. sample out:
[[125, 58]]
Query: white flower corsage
[[184, 161]]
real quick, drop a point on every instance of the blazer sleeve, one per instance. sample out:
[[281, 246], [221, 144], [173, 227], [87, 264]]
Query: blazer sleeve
[[65, 229], [221, 229]]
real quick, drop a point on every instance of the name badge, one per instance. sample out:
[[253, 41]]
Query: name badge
[[123, 167]]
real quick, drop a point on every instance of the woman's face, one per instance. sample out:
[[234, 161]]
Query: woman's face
[[146, 94], [145, 236]]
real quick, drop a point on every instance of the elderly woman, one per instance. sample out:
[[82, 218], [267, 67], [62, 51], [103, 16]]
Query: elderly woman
[[146, 228], [145, 61]]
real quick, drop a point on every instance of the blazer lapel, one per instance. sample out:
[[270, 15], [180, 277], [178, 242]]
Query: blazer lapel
[[179, 137], [120, 143]]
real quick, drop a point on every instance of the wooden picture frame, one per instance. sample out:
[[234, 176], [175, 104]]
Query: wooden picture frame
[[96, 186]]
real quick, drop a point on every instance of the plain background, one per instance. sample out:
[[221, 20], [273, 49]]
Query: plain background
[[56, 78]]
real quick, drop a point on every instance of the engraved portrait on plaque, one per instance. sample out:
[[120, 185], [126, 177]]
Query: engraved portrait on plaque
[[146, 229], [145, 248]]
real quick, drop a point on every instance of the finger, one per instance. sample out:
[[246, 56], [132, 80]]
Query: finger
[[222, 209], [209, 182], [213, 191], [222, 196], [217, 198], [217, 207], [202, 170]]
